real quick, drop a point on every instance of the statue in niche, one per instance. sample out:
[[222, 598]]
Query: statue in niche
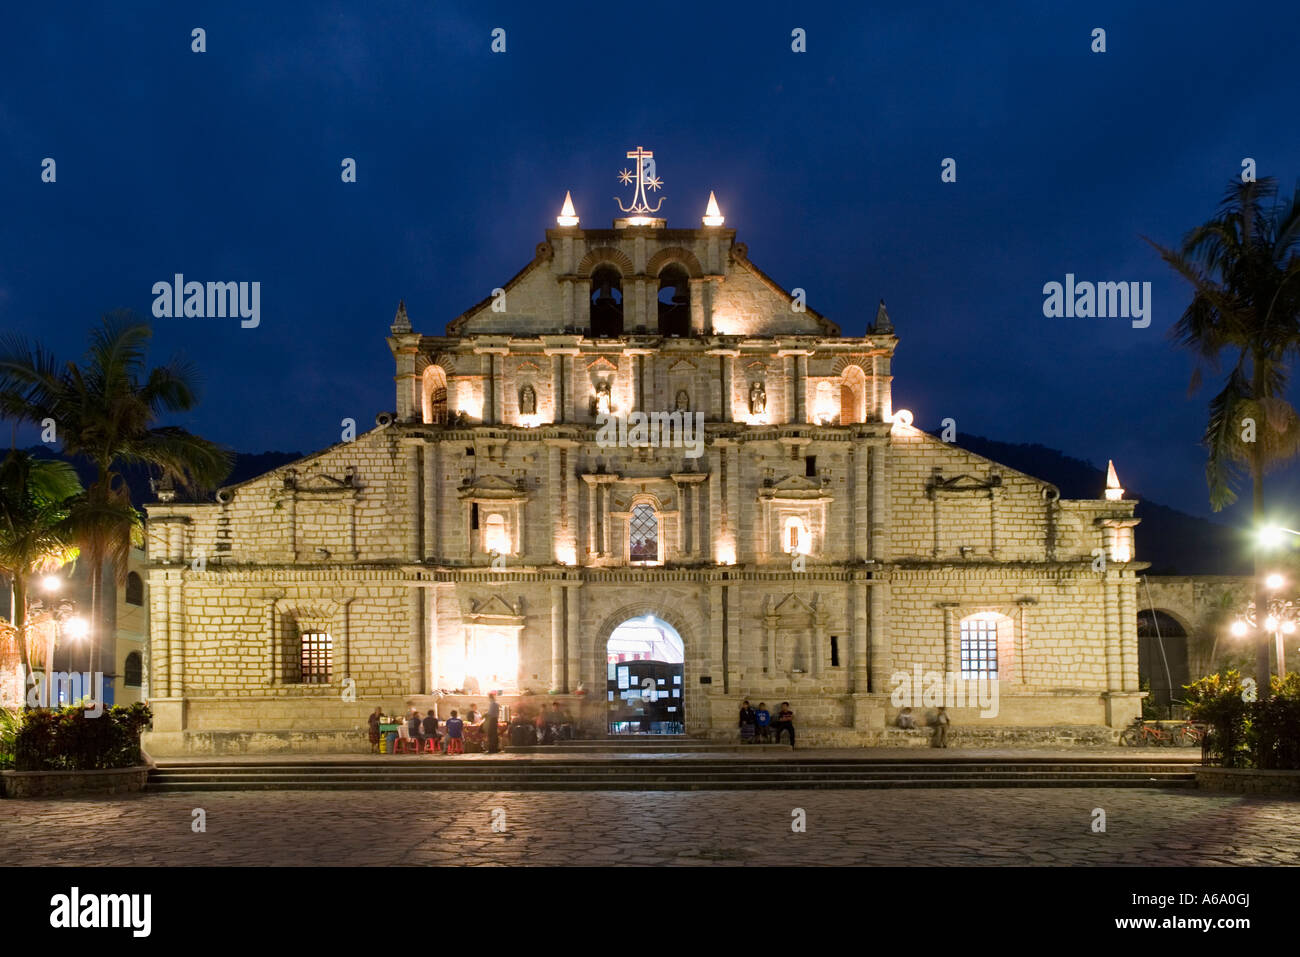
[[527, 401], [683, 401], [602, 398], [757, 399]]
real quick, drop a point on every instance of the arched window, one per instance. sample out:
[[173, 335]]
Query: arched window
[[606, 303], [133, 670], [853, 396], [643, 534], [795, 536], [674, 301], [134, 589], [435, 396], [495, 537], [823, 407]]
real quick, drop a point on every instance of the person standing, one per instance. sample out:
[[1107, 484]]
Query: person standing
[[455, 735], [785, 722], [493, 715], [941, 722], [374, 721]]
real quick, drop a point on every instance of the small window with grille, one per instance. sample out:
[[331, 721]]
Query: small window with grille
[[979, 648], [316, 653]]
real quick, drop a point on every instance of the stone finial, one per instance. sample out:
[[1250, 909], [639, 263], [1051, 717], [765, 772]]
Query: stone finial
[[1114, 493], [883, 323], [401, 321], [166, 487]]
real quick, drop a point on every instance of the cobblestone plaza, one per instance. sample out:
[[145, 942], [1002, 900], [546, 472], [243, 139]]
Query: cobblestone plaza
[[899, 828]]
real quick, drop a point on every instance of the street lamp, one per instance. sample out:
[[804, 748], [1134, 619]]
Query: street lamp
[[1271, 536], [1280, 617], [62, 613]]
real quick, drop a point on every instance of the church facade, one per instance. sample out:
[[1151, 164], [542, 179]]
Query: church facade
[[641, 424]]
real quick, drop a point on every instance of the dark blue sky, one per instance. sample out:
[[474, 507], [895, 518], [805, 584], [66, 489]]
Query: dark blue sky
[[225, 166]]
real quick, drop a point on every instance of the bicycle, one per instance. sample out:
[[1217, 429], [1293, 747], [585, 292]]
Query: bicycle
[[1191, 735], [1141, 734]]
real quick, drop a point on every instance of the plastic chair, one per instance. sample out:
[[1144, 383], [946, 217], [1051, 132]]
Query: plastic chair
[[431, 746]]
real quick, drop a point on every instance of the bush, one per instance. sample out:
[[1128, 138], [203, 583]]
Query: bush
[[10, 722], [68, 740], [1258, 734]]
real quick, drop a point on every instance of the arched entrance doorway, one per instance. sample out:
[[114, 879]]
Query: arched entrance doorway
[[645, 680], [1162, 658]]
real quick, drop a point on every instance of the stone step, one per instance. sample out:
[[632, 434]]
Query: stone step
[[612, 784], [658, 774]]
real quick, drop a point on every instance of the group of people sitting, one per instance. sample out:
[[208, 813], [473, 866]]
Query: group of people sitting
[[759, 726], [549, 727], [451, 738]]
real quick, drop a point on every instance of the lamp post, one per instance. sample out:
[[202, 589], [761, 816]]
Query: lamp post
[[1280, 618], [1267, 538], [63, 615]]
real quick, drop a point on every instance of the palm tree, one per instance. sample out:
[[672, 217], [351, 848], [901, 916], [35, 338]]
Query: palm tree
[[105, 411], [36, 535], [1244, 268]]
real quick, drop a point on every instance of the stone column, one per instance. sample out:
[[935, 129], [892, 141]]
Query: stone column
[[818, 640], [769, 645], [801, 388], [994, 517], [176, 638], [861, 502], [880, 502], [557, 639], [432, 636], [728, 387], [557, 389], [702, 546], [412, 523], [859, 683], [1128, 643], [159, 662], [789, 387], [1114, 663], [415, 647], [951, 640], [716, 669], [576, 642], [432, 500], [1022, 641], [882, 655], [698, 325], [593, 543]]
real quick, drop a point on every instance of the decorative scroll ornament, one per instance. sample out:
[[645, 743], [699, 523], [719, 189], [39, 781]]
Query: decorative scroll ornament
[[645, 178]]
